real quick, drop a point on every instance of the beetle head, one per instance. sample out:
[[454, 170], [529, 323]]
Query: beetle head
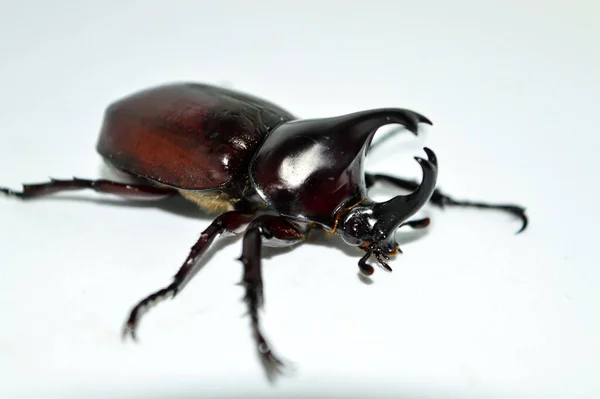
[[372, 225]]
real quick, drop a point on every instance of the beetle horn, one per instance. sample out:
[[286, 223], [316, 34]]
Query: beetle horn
[[391, 214], [367, 122]]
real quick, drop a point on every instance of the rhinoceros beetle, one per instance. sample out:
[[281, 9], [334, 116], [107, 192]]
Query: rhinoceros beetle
[[265, 172]]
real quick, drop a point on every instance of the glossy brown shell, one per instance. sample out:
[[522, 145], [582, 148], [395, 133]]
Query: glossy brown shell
[[312, 169], [187, 135]]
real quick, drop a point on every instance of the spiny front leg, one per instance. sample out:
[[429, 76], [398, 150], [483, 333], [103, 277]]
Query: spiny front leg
[[440, 199], [127, 190], [264, 227], [230, 221]]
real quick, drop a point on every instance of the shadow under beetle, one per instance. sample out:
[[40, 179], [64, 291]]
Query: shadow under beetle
[[266, 173]]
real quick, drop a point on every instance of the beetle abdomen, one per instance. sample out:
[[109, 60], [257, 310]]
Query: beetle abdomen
[[189, 136]]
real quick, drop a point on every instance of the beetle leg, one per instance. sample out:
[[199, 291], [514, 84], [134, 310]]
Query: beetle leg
[[134, 191], [230, 221], [263, 228], [442, 200], [417, 224]]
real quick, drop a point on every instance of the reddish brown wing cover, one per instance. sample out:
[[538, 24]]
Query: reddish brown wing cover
[[187, 135]]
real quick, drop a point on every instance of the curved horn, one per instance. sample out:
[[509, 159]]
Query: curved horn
[[422, 194], [391, 214], [371, 120]]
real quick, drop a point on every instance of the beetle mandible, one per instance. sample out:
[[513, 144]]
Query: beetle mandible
[[266, 173]]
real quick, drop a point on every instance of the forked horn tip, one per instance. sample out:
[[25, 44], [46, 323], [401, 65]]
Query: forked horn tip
[[424, 119], [430, 155]]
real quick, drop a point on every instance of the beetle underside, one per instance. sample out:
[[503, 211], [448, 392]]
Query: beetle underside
[[212, 201]]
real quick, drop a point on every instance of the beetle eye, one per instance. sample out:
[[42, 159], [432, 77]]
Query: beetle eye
[[354, 230]]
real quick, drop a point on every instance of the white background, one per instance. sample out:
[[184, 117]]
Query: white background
[[470, 311]]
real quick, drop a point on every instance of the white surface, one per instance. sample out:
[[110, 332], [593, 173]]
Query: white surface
[[470, 311]]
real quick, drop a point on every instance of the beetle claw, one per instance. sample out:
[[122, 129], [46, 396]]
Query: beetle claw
[[130, 327], [520, 213], [129, 332], [273, 366], [10, 192]]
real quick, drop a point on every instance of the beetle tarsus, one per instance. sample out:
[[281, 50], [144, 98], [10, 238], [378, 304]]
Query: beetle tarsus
[[514, 210], [230, 221], [10, 192], [130, 327], [442, 200], [126, 190], [272, 365], [262, 227]]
